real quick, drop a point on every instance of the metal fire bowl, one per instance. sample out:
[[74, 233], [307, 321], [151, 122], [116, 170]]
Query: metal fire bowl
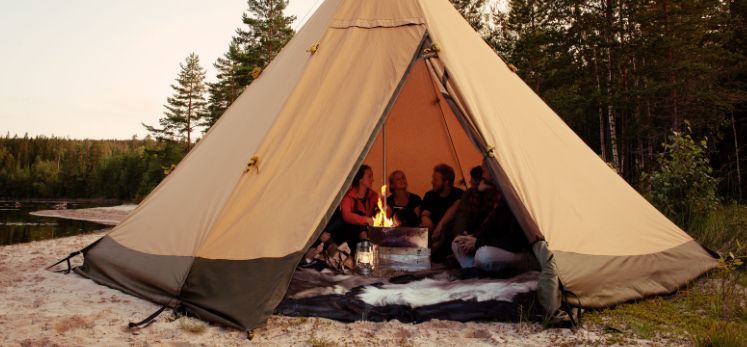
[[411, 237]]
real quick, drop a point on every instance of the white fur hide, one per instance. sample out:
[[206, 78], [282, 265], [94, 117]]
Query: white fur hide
[[433, 291], [327, 282]]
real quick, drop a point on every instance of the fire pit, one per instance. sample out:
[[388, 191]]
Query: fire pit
[[400, 249], [398, 236]]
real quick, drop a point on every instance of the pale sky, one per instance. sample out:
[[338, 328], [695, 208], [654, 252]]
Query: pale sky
[[97, 69]]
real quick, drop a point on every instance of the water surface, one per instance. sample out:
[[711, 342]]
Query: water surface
[[18, 226]]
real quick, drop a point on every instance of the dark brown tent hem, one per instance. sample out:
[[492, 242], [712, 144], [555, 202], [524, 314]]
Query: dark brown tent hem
[[148, 276], [237, 293], [618, 279]]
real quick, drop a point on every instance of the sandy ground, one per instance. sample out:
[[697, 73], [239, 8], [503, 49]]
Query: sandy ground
[[103, 215], [43, 308]]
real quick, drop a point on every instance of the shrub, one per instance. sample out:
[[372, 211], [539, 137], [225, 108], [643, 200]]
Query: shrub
[[683, 187]]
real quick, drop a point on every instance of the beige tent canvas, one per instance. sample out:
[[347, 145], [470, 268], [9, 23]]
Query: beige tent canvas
[[401, 84]]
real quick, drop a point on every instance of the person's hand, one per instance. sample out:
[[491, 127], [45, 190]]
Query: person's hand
[[370, 221], [426, 222], [466, 243], [332, 249], [313, 252], [325, 236], [437, 232]]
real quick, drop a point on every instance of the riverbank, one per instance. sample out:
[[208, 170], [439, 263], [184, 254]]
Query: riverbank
[[111, 215]]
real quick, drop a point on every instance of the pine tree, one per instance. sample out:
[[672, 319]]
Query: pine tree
[[186, 107], [227, 88], [472, 11], [251, 50], [268, 29]]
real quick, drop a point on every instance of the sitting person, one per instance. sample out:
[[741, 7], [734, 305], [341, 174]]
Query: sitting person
[[466, 215], [324, 253], [443, 196], [312, 257], [405, 205], [475, 176], [357, 209], [498, 244]]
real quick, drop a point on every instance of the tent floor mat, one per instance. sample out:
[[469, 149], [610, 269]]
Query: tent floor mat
[[413, 298]]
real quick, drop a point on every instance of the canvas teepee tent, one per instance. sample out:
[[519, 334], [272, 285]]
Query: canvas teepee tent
[[221, 235]]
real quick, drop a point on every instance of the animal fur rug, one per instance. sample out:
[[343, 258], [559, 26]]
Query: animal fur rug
[[415, 297]]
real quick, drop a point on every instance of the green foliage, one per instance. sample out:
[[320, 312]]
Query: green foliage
[[683, 187], [725, 229], [227, 88], [473, 11], [160, 161], [622, 73], [267, 29], [255, 45], [722, 335], [120, 175], [44, 177], [731, 293], [59, 168]]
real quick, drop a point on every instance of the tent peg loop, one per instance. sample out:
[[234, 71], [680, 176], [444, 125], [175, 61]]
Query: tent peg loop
[[252, 164], [256, 71], [314, 47], [432, 51], [490, 152]]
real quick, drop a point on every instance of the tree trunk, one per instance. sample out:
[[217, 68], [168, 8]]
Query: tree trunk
[[676, 122], [189, 120], [602, 144], [649, 119], [736, 152], [610, 107]]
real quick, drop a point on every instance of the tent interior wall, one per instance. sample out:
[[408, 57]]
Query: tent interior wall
[[421, 132]]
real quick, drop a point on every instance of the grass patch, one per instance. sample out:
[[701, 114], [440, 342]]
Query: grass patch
[[72, 323], [316, 341], [690, 315], [723, 335], [192, 326], [320, 342], [712, 311], [724, 230]]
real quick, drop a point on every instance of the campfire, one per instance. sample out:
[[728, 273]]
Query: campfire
[[381, 219]]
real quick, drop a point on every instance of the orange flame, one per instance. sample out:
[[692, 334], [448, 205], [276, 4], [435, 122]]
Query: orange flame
[[381, 220]]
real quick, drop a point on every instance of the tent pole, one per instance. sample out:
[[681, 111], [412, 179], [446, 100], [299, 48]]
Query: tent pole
[[383, 174]]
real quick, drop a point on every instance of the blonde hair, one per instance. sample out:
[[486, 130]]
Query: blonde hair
[[391, 176]]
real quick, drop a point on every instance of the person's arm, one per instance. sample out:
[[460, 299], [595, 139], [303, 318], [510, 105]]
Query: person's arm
[[425, 219], [448, 217], [350, 217], [417, 205]]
